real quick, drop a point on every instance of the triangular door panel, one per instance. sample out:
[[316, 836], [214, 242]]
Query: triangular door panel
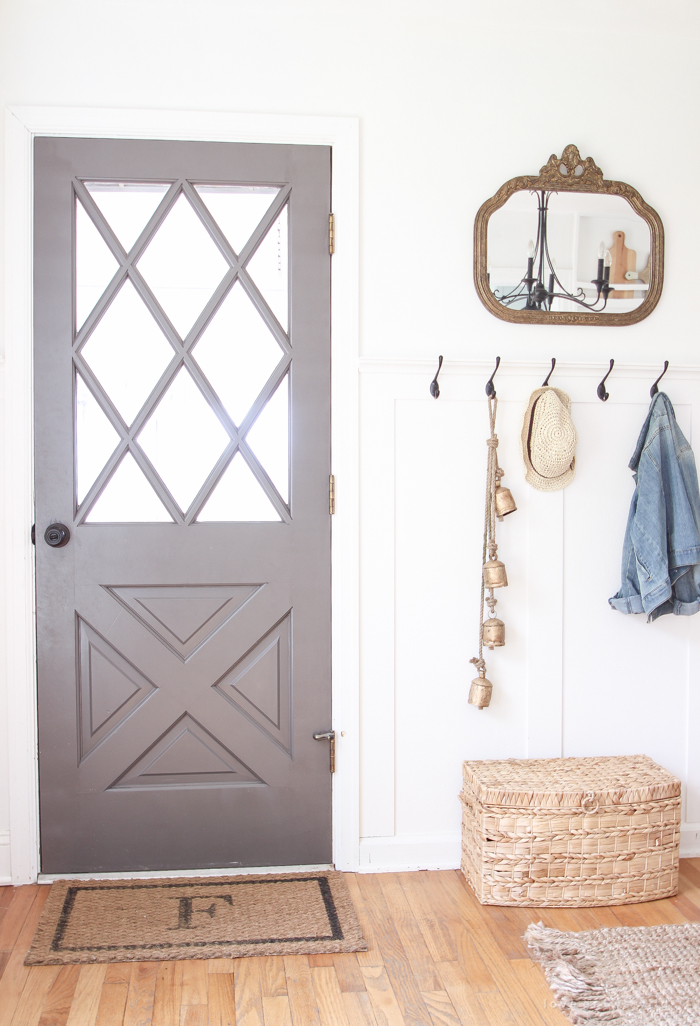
[[109, 687], [260, 684], [186, 755], [184, 617]]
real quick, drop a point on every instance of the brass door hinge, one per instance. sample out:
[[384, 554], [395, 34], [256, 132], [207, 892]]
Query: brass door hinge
[[331, 234], [331, 494]]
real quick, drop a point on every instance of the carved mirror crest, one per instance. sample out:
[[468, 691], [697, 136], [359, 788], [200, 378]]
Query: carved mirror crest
[[568, 246]]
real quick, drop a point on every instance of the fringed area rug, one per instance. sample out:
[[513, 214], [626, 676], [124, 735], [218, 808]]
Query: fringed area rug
[[630, 976], [223, 917]]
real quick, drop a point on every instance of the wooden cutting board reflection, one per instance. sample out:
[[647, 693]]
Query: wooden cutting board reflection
[[623, 260]]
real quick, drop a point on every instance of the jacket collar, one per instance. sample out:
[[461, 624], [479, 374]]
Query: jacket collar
[[660, 405]]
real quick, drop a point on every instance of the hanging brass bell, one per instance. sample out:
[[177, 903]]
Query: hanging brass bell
[[495, 574], [480, 691], [505, 503], [494, 633]]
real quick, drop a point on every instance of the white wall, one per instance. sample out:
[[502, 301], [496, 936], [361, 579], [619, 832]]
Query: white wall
[[454, 98]]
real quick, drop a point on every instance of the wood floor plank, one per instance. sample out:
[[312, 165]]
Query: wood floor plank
[[463, 997], [86, 999], [195, 982], [112, 1004], [220, 965], [195, 1015], [396, 961], [39, 981], [441, 1009], [141, 994], [347, 969], [386, 1007], [372, 956], [118, 972], [167, 1000], [497, 1010], [60, 997], [532, 979], [465, 905], [409, 933], [300, 990], [276, 1010], [273, 982], [16, 972], [316, 961], [329, 998], [248, 996], [4, 959], [687, 908], [647, 913], [222, 1002], [358, 1008], [469, 958], [417, 889], [22, 900]]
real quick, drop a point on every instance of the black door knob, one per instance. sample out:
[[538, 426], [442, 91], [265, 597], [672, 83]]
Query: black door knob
[[57, 535]]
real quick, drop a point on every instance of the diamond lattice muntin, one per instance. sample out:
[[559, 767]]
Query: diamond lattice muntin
[[184, 353]]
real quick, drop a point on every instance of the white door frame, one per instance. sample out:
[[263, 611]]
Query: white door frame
[[342, 134]]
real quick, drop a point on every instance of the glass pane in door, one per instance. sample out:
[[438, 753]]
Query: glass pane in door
[[269, 268], [127, 206], [182, 265], [237, 352], [183, 439], [237, 209], [95, 265]]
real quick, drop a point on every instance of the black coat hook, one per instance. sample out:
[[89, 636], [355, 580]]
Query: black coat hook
[[434, 387], [490, 390], [655, 387], [546, 380], [602, 394]]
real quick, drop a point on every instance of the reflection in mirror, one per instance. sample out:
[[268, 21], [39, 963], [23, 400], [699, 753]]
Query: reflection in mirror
[[568, 246], [557, 251]]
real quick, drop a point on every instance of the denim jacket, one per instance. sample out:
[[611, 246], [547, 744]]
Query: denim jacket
[[661, 552]]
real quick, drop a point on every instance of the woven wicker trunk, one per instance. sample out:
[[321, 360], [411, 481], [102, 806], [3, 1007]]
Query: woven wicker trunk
[[602, 831]]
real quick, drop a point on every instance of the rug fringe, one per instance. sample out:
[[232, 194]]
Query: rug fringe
[[571, 975]]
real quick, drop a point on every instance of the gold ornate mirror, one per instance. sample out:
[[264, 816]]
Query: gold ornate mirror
[[568, 247]]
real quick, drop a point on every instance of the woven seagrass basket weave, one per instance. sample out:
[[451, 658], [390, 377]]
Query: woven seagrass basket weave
[[601, 831]]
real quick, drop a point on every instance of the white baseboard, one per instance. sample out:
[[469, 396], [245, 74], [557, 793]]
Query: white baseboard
[[407, 852], [5, 861], [690, 840], [168, 874]]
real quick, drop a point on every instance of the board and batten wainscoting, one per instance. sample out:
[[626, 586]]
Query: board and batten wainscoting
[[575, 678]]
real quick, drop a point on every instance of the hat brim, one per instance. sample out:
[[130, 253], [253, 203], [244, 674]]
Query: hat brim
[[544, 484]]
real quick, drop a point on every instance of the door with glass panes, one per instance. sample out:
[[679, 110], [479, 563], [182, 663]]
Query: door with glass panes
[[182, 455]]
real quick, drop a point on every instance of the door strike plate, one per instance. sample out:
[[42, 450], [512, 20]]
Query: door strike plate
[[328, 735]]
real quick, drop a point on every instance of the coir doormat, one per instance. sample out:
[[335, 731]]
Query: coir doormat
[[223, 917]]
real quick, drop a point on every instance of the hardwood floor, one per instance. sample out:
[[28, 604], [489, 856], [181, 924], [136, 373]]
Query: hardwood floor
[[436, 958]]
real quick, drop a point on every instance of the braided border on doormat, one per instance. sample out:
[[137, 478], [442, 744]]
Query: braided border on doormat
[[212, 917]]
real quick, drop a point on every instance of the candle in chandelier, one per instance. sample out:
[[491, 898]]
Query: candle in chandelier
[[601, 260], [530, 257], [608, 262]]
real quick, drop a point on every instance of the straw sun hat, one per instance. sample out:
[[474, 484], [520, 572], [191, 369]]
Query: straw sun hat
[[549, 440]]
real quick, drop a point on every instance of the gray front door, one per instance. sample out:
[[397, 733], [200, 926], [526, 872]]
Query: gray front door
[[182, 436]]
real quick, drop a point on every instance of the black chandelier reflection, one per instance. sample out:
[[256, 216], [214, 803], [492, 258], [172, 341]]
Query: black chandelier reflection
[[532, 288]]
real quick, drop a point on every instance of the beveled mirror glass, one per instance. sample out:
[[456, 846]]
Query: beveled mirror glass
[[568, 246]]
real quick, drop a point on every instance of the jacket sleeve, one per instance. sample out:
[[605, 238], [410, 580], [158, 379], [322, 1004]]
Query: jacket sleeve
[[648, 527]]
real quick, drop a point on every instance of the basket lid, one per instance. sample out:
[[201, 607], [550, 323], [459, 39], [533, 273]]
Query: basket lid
[[613, 780]]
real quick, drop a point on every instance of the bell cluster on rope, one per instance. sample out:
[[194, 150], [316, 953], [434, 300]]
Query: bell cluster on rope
[[499, 503]]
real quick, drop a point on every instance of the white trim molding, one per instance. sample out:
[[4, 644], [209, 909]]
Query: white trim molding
[[22, 124]]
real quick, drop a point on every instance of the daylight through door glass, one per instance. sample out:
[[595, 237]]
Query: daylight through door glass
[[185, 413]]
